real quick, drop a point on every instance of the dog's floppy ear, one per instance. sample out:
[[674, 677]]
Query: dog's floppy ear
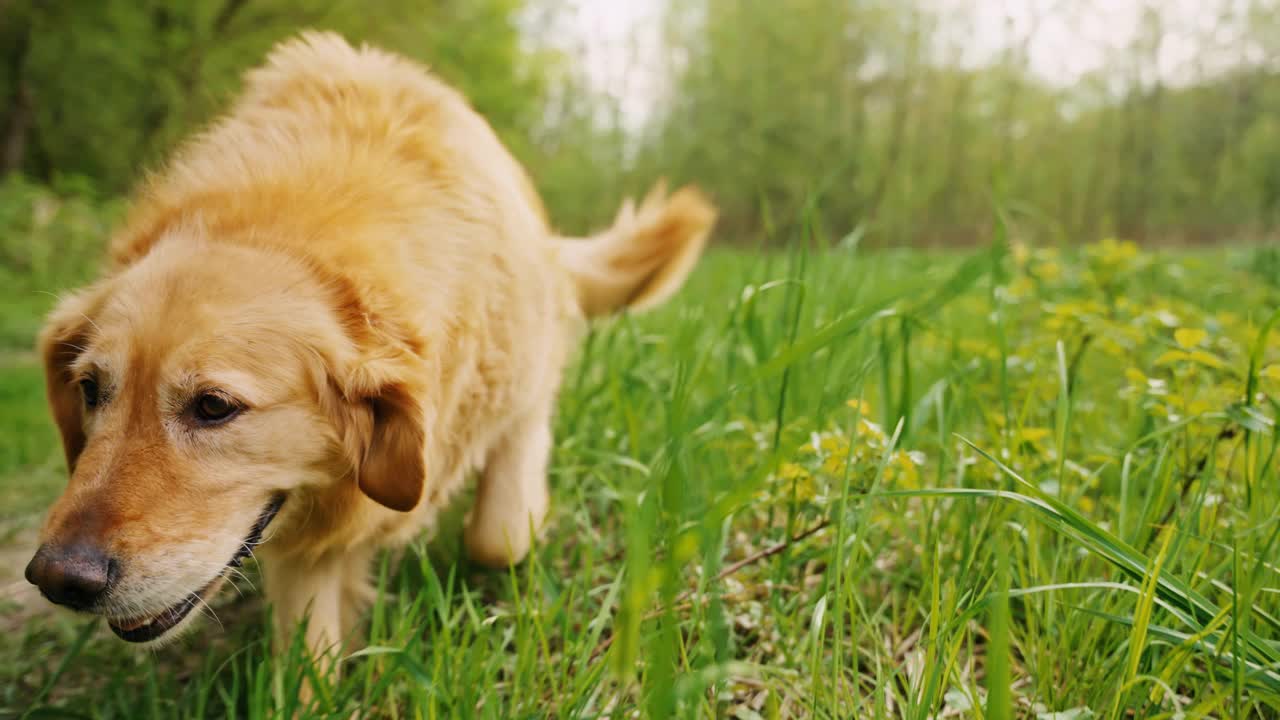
[[384, 435], [393, 469], [64, 337]]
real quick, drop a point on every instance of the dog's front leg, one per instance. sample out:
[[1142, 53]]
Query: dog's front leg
[[308, 590], [357, 593], [512, 497]]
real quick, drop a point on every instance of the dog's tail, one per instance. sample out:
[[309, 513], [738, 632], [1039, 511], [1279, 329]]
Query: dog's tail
[[644, 257]]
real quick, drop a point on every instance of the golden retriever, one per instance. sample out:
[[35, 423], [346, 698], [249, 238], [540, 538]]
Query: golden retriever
[[318, 320]]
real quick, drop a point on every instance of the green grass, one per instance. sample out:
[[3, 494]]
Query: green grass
[[1013, 489]]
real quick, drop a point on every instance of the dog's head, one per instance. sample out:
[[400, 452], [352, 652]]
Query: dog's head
[[195, 392]]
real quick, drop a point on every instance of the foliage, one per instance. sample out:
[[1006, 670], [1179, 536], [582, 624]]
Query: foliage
[[49, 241], [873, 106], [113, 85]]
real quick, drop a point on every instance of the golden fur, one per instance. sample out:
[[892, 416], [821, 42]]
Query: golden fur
[[353, 257]]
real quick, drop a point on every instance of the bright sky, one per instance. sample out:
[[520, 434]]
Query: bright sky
[[1064, 39]]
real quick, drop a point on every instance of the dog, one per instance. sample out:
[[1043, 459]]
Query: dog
[[317, 321]]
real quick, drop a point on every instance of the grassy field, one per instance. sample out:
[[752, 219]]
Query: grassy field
[[1015, 483]]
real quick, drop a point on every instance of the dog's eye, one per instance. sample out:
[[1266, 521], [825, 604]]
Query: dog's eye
[[89, 390], [214, 409]]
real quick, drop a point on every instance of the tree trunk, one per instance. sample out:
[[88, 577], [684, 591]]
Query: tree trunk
[[17, 124]]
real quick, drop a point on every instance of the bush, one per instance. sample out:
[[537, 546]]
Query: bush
[[49, 241]]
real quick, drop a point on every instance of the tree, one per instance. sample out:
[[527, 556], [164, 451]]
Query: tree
[[103, 88]]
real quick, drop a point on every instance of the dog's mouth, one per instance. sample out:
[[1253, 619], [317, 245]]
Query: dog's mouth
[[150, 627]]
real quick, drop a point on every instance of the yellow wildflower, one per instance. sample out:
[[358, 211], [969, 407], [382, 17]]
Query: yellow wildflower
[[1048, 271], [792, 471], [862, 407], [1189, 337]]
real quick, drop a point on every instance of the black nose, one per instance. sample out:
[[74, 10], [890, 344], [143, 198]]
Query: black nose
[[75, 576]]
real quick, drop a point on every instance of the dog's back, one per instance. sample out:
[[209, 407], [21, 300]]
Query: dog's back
[[364, 163]]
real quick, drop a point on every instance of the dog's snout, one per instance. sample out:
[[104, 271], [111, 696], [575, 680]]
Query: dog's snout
[[75, 576]]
